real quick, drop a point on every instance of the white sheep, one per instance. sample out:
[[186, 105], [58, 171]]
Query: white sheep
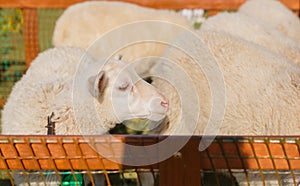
[[90, 24], [262, 87], [256, 31], [82, 23], [274, 13], [90, 100], [52, 81]]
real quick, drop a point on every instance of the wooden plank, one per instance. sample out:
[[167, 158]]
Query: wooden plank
[[169, 4], [183, 168]]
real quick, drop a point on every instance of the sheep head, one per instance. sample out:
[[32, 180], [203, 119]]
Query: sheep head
[[125, 95]]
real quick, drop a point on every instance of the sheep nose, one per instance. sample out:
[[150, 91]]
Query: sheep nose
[[159, 104], [164, 103]]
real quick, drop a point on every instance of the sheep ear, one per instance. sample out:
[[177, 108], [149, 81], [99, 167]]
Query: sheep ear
[[97, 84]]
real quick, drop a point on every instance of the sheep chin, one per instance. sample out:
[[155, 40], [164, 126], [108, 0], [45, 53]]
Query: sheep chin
[[144, 126]]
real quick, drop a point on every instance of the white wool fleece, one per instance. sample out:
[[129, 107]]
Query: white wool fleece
[[274, 13], [109, 28], [262, 88], [256, 31]]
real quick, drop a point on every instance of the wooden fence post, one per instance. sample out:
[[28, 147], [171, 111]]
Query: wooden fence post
[[183, 168]]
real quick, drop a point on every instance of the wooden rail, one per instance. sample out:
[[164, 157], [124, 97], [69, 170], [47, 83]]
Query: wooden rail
[[170, 4]]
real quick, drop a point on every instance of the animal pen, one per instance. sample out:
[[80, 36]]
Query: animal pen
[[26, 29]]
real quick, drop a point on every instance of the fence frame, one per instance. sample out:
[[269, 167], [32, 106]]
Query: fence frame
[[226, 152]]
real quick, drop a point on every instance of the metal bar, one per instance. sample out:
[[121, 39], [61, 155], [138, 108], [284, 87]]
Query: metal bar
[[257, 161], [11, 141], [7, 168], [221, 143], [282, 142], [236, 143], [60, 141], [43, 142], [213, 167], [267, 142], [35, 160], [103, 165], [85, 163]]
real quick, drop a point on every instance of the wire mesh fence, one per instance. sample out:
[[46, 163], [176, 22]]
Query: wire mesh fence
[[252, 161], [23, 34], [12, 53], [68, 160], [130, 177], [75, 159]]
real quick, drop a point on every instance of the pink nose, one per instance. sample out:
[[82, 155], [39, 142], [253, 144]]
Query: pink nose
[[164, 102]]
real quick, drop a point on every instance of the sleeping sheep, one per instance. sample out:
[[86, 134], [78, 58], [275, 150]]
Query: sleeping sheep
[[262, 88], [274, 13], [256, 31], [90, 24], [90, 100], [52, 83]]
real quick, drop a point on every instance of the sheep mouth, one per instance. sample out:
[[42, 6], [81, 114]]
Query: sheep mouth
[[138, 126], [152, 116]]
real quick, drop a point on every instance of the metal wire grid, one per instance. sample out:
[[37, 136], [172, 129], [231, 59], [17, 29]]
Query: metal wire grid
[[23, 34], [58, 154], [46, 23], [265, 160], [20, 42], [11, 29], [128, 177], [12, 55]]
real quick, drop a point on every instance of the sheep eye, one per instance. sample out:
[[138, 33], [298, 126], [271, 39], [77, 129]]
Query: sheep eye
[[124, 86]]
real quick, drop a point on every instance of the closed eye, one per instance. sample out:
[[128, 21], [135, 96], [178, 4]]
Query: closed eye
[[124, 86]]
